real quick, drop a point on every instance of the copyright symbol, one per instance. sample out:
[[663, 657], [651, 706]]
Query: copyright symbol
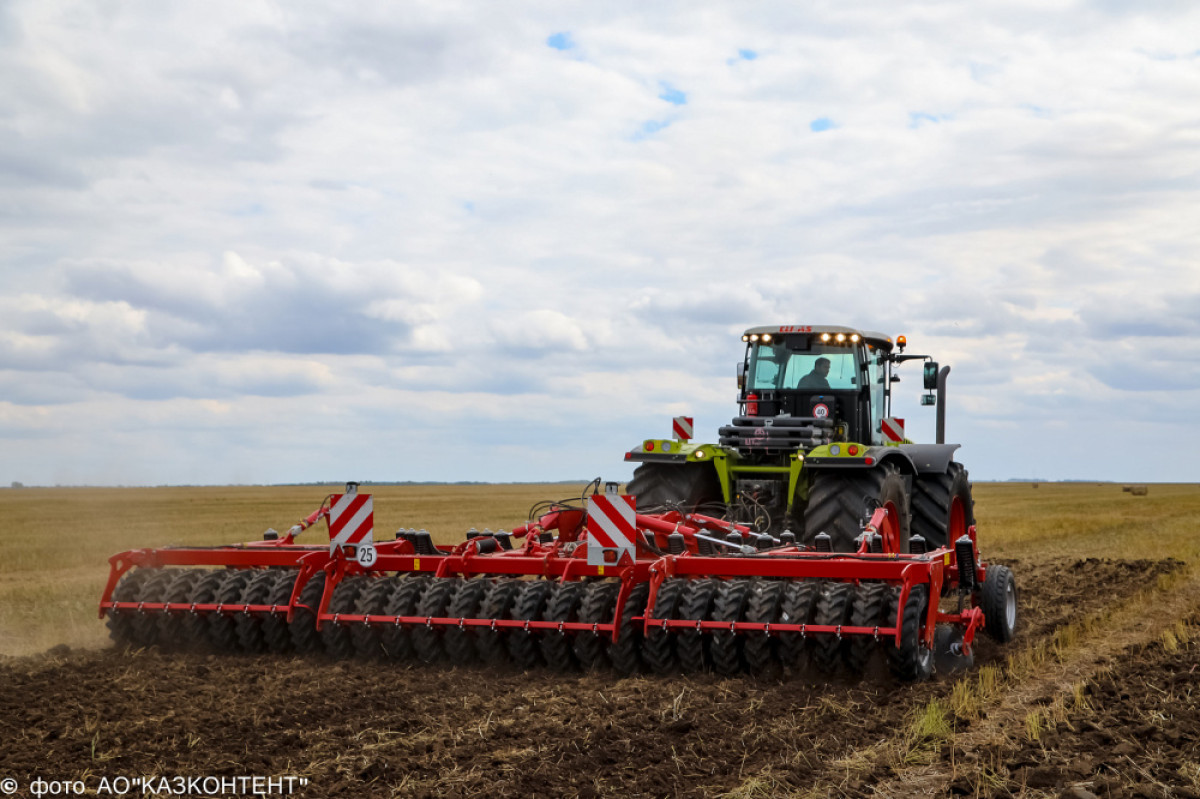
[[8, 785]]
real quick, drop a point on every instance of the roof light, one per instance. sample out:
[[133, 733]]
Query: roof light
[[754, 337], [766, 337], [854, 337], [825, 337], [841, 337], [745, 338]]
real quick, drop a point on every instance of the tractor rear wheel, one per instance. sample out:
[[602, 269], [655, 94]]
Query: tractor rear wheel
[[669, 486], [840, 501], [942, 507]]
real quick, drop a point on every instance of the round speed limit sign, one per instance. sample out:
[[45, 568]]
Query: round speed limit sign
[[366, 555]]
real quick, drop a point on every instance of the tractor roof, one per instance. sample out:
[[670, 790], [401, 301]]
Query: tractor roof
[[880, 340]]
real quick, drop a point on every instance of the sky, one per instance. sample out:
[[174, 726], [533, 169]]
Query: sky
[[247, 242]]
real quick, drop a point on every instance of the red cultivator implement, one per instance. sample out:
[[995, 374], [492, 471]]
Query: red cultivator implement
[[583, 585]]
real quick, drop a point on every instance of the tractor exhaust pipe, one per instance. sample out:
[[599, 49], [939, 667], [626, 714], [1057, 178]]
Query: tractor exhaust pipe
[[941, 404]]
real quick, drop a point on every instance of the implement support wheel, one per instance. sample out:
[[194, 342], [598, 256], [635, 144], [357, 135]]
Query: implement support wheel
[[998, 598]]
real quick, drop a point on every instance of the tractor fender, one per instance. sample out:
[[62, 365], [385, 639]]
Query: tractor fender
[[910, 459], [925, 458]]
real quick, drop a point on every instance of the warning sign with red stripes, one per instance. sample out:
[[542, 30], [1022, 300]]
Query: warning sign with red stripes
[[683, 427], [611, 527], [893, 430], [351, 520]]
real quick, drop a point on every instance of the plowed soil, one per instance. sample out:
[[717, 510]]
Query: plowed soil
[[357, 728], [1137, 733]]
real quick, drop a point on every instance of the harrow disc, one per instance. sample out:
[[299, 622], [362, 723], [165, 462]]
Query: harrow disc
[[599, 604], [624, 652], [460, 641], [249, 625], [171, 631], [759, 649], [563, 607], [193, 633], [725, 645], [530, 605], [276, 636], [912, 661], [371, 602], [658, 647], [435, 603], [498, 602], [154, 589], [947, 652], [833, 608], [799, 606], [121, 623], [395, 639], [870, 610], [691, 646], [303, 626], [334, 634], [222, 626]]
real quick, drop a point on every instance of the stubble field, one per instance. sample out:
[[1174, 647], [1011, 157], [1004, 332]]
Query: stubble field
[[1099, 693]]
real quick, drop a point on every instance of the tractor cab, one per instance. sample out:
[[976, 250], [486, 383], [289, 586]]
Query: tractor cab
[[802, 386]]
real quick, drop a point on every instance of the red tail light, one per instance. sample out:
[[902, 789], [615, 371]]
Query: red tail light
[[752, 404]]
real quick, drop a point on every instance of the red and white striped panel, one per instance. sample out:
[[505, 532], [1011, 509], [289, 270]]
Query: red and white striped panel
[[684, 427], [351, 520], [611, 527], [893, 429]]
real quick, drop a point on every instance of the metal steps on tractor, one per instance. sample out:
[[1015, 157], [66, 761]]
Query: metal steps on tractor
[[579, 591]]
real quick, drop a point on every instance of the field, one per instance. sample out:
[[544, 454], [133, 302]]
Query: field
[[1096, 696]]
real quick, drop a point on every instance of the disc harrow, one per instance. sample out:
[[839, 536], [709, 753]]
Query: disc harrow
[[582, 586]]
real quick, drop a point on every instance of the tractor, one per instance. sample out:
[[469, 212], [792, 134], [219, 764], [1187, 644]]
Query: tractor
[[814, 447]]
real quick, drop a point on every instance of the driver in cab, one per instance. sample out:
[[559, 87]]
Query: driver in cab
[[817, 377]]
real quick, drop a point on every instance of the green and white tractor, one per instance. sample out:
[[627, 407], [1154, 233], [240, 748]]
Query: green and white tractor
[[814, 448]]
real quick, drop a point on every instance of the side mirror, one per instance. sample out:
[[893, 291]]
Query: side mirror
[[931, 375], [741, 375]]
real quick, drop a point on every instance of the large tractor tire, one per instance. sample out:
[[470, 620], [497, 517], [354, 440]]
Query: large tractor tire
[[675, 486], [942, 507], [839, 500]]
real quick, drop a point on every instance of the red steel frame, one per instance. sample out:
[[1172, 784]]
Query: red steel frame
[[564, 559]]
